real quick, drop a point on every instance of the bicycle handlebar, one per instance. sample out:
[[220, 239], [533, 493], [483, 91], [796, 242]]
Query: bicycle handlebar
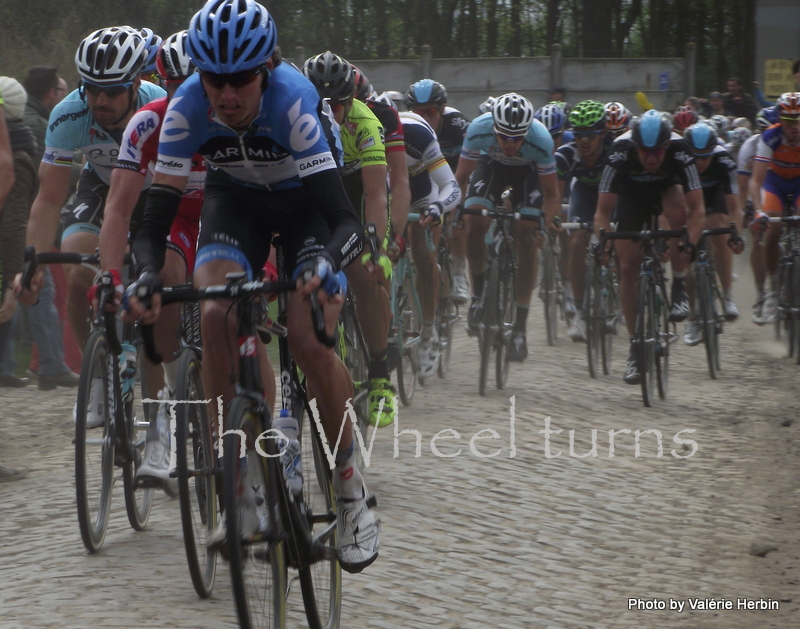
[[500, 215]]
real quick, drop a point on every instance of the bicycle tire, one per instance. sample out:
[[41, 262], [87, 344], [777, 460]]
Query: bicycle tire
[[548, 292], [197, 481], [409, 326], [257, 566], [446, 311], [354, 355], [507, 315], [594, 317], [321, 582], [796, 306], [663, 335], [708, 317], [489, 322], [645, 338], [94, 498], [138, 501], [611, 314]]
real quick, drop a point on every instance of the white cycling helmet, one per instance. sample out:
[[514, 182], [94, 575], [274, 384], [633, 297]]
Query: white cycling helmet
[[111, 56], [386, 99], [486, 106], [512, 114]]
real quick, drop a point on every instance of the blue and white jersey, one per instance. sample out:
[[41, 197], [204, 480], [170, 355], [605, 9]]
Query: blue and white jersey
[[73, 127], [538, 145], [286, 140]]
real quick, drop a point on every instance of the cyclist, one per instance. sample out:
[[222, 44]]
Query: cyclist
[[720, 194], [260, 125], [152, 42], [649, 170], [776, 176], [618, 118], [136, 161], [91, 119], [552, 116], [507, 147], [579, 165], [736, 139], [683, 118], [428, 98], [364, 176]]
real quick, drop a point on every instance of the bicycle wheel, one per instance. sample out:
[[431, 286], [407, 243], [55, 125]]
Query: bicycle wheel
[[94, 448], [354, 354], [508, 314], [595, 319], [197, 482], [138, 501], [548, 293], [446, 312], [255, 548], [409, 325], [663, 339], [796, 306], [646, 339], [708, 318], [612, 315], [321, 582], [489, 322]]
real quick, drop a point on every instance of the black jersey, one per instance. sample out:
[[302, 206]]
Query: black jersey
[[720, 177], [569, 164], [451, 135], [624, 173]]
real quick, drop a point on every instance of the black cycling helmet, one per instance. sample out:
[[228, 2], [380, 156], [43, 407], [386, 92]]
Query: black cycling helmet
[[331, 75], [651, 131], [425, 92], [701, 137]]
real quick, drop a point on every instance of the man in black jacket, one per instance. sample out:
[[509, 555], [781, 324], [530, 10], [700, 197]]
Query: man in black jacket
[[738, 103]]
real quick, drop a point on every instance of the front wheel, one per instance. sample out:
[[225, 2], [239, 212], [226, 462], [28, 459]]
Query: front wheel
[[489, 323], [548, 294], [508, 312], [408, 331], [646, 340], [708, 318], [594, 318], [255, 548]]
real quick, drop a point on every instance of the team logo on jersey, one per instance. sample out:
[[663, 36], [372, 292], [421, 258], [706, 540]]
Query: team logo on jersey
[[478, 185], [175, 127], [305, 128], [684, 157], [94, 134], [619, 156], [365, 144]]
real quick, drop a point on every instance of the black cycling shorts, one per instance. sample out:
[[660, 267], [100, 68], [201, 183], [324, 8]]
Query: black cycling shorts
[[637, 206], [491, 178]]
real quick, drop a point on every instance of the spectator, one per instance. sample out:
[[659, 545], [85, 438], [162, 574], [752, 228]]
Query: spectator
[[45, 90], [796, 72], [695, 104], [738, 103], [558, 94], [716, 105], [17, 187]]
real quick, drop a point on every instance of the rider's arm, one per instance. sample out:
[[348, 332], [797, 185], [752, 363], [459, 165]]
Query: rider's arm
[[757, 181], [696, 215], [466, 166], [552, 199], [734, 209], [150, 245], [373, 177], [126, 186], [449, 191], [606, 202], [401, 193], [744, 188], [6, 161], [46, 208]]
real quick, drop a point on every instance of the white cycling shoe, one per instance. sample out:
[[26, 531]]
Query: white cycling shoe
[[358, 529], [428, 354]]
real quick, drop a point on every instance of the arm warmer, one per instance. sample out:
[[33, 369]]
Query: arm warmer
[[346, 230], [150, 245]]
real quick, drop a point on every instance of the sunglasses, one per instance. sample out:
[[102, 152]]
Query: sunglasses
[[427, 111], [338, 105], [510, 138], [237, 80], [586, 134], [652, 152], [111, 91], [791, 119]]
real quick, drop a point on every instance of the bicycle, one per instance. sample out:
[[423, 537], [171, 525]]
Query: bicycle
[[709, 295], [447, 316], [291, 530], [789, 282], [117, 442], [653, 336], [498, 309]]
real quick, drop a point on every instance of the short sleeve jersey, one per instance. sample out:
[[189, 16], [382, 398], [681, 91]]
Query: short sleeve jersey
[[747, 152], [719, 177], [423, 154], [290, 138], [73, 127], [139, 152], [451, 135], [624, 173], [537, 147], [362, 139], [569, 165], [783, 160]]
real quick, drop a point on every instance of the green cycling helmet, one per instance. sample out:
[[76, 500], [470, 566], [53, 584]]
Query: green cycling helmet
[[588, 113]]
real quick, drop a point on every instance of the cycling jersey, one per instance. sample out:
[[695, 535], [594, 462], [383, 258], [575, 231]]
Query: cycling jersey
[[451, 134], [719, 180], [585, 180], [139, 152], [289, 139], [362, 139], [73, 127], [537, 147], [783, 160], [392, 127], [747, 152]]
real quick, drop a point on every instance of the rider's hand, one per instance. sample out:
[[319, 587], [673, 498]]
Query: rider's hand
[[759, 223], [382, 271], [119, 289], [8, 306], [143, 299], [29, 296], [332, 286], [434, 215], [397, 248], [736, 245]]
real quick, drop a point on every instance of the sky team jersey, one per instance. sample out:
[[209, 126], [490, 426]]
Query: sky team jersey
[[719, 177], [289, 138], [624, 172], [139, 152], [747, 152], [569, 165], [362, 139], [451, 135], [538, 146], [72, 127], [783, 160]]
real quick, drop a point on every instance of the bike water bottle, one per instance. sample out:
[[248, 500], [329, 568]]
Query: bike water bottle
[[127, 370], [292, 462]]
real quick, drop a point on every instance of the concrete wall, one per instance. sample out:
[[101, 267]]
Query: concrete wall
[[470, 81], [777, 32]]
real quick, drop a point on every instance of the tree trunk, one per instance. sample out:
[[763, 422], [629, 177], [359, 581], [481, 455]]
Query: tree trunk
[[491, 28], [515, 30]]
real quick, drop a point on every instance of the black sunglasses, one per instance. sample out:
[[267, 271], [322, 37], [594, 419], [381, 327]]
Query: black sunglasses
[[111, 91], [236, 80], [586, 134]]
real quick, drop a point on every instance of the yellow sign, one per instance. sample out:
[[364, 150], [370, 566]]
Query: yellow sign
[[777, 78]]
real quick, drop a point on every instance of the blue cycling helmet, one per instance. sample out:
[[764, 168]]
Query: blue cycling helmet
[[702, 138], [426, 91], [767, 117], [553, 117], [651, 131], [152, 42], [230, 36]]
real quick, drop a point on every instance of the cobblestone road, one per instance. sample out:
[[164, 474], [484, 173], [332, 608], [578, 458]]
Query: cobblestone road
[[522, 541]]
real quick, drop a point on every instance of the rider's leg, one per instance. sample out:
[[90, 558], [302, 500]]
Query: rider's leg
[[676, 211], [79, 281]]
